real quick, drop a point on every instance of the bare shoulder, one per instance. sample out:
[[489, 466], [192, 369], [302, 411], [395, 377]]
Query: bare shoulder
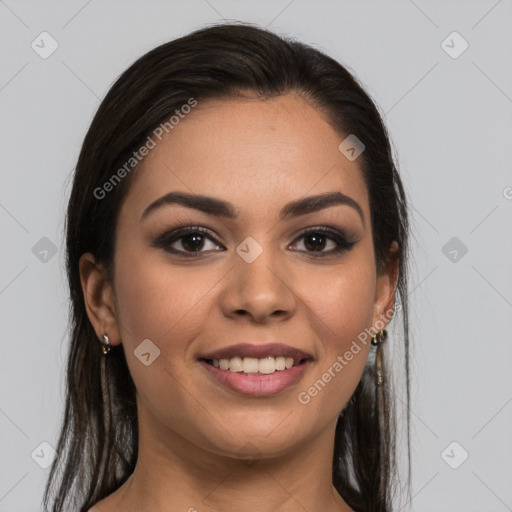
[[107, 504], [101, 506], [111, 503]]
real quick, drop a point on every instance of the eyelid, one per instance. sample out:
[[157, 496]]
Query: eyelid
[[343, 242], [175, 234], [324, 228], [171, 236]]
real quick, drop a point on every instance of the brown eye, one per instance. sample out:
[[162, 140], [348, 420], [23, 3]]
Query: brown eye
[[316, 241], [193, 242], [188, 241]]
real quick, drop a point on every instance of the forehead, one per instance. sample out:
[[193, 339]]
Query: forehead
[[248, 149]]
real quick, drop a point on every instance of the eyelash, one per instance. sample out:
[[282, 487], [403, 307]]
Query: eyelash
[[165, 240]]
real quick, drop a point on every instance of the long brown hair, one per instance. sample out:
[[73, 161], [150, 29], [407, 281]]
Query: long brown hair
[[220, 61]]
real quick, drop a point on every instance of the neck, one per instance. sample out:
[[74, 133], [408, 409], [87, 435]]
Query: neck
[[173, 474]]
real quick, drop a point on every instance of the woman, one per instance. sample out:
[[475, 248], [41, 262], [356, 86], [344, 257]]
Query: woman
[[236, 239]]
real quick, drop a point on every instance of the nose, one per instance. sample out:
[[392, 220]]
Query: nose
[[259, 290]]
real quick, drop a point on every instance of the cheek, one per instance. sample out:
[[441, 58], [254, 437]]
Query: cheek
[[342, 299], [339, 311], [158, 303], [167, 306], [173, 305]]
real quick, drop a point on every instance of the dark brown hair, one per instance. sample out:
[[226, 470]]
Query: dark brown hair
[[218, 62]]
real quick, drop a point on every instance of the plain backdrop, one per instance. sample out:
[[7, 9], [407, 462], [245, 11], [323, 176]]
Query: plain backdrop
[[441, 74]]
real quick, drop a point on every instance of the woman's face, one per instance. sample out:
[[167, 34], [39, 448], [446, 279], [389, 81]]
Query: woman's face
[[253, 277]]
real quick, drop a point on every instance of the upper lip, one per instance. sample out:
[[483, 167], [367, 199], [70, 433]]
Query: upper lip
[[257, 351]]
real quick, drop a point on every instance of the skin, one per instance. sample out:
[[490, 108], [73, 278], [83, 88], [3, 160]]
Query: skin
[[194, 433]]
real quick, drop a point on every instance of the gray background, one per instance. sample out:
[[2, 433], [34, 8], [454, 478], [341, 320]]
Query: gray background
[[451, 123]]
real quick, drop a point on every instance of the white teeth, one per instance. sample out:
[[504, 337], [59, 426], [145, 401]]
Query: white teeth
[[250, 365], [280, 363], [266, 365], [236, 364]]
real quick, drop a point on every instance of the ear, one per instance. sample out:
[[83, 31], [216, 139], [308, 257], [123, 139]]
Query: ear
[[383, 308], [99, 298]]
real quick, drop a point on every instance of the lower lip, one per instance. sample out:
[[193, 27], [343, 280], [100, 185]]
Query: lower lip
[[258, 385]]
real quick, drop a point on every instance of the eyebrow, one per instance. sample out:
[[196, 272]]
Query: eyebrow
[[220, 208]]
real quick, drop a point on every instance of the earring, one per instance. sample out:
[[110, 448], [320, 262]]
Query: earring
[[105, 344], [378, 339], [105, 392]]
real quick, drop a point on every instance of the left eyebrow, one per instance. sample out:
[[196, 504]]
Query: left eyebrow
[[220, 208], [312, 204]]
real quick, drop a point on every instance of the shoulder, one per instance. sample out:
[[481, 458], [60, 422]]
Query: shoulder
[[104, 505], [109, 503]]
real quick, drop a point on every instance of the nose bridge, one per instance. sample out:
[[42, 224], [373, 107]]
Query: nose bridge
[[257, 286]]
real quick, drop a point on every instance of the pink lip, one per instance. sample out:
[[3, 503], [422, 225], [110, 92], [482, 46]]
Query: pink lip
[[258, 385], [258, 351]]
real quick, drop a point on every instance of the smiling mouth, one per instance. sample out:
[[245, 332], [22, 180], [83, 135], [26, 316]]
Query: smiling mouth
[[255, 366]]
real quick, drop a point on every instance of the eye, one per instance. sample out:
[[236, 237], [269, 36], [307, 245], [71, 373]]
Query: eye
[[316, 240], [187, 241], [191, 241]]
